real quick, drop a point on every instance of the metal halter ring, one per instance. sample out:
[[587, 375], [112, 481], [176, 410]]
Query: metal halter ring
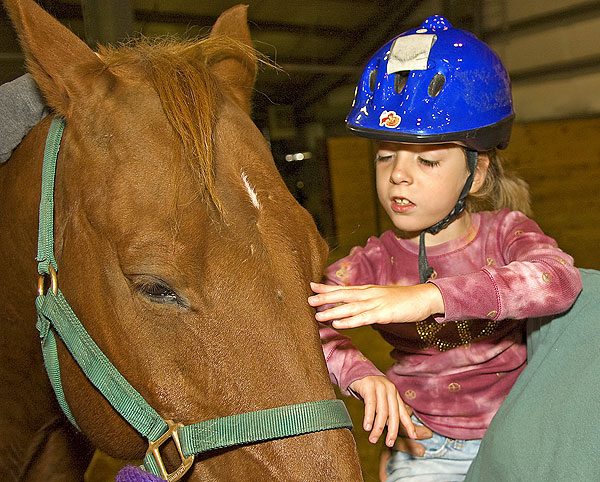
[[53, 281], [154, 450]]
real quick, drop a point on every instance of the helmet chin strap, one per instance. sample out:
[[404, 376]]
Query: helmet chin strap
[[425, 270]]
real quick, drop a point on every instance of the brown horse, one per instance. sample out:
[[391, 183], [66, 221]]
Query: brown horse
[[180, 250]]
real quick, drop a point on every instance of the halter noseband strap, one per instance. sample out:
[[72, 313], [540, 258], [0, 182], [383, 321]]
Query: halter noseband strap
[[55, 315]]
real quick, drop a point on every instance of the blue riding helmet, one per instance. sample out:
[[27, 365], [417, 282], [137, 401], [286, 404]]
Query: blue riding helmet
[[434, 84]]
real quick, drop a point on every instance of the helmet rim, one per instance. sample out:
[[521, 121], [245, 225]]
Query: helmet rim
[[471, 103], [480, 139]]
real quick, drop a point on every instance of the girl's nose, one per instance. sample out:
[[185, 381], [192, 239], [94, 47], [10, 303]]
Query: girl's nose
[[400, 173]]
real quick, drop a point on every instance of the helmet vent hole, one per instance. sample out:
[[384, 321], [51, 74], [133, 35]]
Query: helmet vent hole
[[400, 80], [436, 84], [372, 79]]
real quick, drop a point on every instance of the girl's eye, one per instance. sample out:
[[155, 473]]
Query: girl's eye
[[383, 157], [428, 163]]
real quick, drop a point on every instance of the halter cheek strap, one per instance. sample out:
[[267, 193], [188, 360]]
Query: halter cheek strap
[[56, 316], [425, 271]]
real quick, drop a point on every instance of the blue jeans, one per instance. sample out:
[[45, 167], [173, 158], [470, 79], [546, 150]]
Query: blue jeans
[[445, 460]]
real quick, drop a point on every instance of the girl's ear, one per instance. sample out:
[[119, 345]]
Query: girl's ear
[[483, 162]]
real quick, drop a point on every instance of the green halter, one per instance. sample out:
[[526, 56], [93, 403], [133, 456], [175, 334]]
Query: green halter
[[55, 315]]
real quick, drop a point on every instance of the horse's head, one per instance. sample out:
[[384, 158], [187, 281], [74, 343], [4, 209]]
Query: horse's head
[[178, 245]]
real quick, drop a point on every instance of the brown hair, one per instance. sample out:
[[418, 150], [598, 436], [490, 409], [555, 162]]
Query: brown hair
[[189, 92], [500, 189]]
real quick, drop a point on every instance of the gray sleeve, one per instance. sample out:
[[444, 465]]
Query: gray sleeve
[[21, 108]]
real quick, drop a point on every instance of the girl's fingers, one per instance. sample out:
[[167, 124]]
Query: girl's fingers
[[386, 453], [330, 298], [362, 319], [423, 432], [329, 289], [407, 423], [409, 447], [393, 422], [346, 295], [343, 311], [381, 416], [370, 406], [323, 288]]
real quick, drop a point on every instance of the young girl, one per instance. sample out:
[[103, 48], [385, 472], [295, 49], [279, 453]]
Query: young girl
[[439, 103]]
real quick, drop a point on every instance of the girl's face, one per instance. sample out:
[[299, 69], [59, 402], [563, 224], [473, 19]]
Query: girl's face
[[419, 184]]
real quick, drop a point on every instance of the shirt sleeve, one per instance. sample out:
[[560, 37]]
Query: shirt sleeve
[[537, 279], [21, 108], [345, 362]]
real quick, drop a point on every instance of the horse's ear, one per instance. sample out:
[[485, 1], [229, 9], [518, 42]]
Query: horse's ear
[[237, 72], [55, 56]]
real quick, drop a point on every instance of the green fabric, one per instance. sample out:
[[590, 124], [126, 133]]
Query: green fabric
[[50, 356], [548, 427], [259, 426], [264, 425], [98, 369], [45, 254]]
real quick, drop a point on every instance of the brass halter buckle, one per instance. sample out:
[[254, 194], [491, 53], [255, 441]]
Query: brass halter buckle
[[154, 449], [53, 281]]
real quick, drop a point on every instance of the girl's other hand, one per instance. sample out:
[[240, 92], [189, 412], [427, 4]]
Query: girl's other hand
[[383, 406], [369, 304]]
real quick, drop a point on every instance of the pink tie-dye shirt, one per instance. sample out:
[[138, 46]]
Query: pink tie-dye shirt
[[455, 371]]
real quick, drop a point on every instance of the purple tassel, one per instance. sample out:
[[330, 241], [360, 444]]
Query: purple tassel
[[130, 473]]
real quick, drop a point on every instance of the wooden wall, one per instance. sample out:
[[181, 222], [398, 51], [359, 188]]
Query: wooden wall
[[561, 162], [355, 203]]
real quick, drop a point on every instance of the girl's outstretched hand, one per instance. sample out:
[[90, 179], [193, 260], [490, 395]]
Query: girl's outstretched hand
[[383, 406], [369, 304]]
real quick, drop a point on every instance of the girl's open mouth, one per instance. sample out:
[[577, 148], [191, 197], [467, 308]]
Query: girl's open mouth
[[401, 204]]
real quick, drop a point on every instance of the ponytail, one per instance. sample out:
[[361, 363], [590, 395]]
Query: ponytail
[[500, 190]]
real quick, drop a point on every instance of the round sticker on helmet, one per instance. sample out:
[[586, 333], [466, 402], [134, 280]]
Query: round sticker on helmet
[[389, 119]]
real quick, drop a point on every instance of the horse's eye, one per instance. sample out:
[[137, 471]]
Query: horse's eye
[[157, 292]]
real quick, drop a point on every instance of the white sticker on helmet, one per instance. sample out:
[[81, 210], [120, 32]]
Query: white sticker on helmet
[[410, 53]]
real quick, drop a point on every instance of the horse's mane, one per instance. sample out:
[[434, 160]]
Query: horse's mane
[[189, 92]]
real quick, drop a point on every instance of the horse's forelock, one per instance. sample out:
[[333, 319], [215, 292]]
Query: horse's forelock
[[189, 92]]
